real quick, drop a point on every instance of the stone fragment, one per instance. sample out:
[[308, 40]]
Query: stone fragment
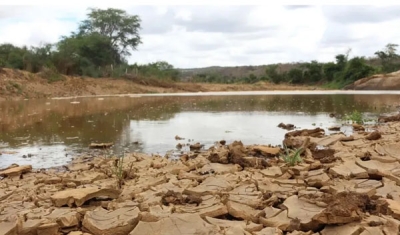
[[269, 231], [48, 229], [176, 224], [347, 170], [241, 211], [348, 229], [81, 195], [8, 228], [16, 171], [103, 222], [303, 211]]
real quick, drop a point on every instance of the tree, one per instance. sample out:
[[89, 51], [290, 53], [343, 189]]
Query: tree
[[295, 75], [313, 72], [121, 28], [330, 71], [389, 58], [272, 74], [356, 68]]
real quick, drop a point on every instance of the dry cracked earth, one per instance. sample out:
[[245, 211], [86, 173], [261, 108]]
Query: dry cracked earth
[[347, 185]]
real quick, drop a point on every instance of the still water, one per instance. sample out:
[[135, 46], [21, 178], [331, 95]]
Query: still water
[[47, 133]]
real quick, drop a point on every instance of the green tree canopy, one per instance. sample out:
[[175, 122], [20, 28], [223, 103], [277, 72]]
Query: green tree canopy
[[121, 28]]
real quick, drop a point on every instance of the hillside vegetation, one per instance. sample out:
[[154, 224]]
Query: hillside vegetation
[[102, 42]]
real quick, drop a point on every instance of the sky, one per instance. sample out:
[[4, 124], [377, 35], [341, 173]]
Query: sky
[[202, 36]]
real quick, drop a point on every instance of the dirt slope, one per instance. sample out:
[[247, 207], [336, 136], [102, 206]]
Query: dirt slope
[[390, 81], [16, 84]]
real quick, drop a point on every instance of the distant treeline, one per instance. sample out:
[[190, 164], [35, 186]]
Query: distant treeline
[[342, 71], [105, 39]]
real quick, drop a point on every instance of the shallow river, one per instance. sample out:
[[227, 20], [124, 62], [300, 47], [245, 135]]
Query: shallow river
[[47, 133]]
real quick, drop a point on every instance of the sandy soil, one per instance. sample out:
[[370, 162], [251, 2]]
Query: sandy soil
[[16, 84]]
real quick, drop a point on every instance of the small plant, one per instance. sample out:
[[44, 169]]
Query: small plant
[[354, 117], [118, 170], [292, 156]]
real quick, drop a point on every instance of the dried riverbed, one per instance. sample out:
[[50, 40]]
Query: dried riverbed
[[344, 185]]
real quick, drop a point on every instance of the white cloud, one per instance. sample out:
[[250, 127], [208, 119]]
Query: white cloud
[[198, 36]]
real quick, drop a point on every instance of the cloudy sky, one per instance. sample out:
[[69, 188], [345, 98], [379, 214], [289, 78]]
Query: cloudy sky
[[200, 36]]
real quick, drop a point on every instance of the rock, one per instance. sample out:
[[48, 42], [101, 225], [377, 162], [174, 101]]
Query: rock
[[209, 186], [375, 167], [273, 171], [48, 229], [100, 145], [79, 196], [349, 169], [196, 146], [303, 212], [220, 155], [176, 224], [30, 226], [344, 207], [394, 206], [286, 126], [8, 228], [347, 138], [267, 151], [178, 138], [372, 230], [317, 178], [118, 222], [394, 118], [155, 213], [241, 211], [324, 155], [334, 128], [247, 226], [389, 188], [219, 169], [16, 171], [209, 206], [317, 132], [269, 231], [374, 136], [357, 127], [280, 221], [65, 217], [348, 229]]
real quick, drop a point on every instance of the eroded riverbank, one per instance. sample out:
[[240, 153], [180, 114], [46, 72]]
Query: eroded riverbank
[[344, 185]]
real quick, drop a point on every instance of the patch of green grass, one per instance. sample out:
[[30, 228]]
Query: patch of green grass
[[292, 156], [354, 117], [335, 84]]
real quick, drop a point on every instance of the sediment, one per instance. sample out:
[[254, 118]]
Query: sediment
[[343, 185]]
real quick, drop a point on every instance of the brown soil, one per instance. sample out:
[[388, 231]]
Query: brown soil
[[17, 84]]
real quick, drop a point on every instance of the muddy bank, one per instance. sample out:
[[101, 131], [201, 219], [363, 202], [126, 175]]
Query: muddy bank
[[320, 184], [390, 81], [17, 84]]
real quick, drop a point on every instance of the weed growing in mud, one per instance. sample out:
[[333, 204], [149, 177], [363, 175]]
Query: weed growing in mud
[[355, 117], [118, 170], [292, 156]]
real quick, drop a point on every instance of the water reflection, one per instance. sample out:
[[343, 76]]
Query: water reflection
[[52, 130]]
